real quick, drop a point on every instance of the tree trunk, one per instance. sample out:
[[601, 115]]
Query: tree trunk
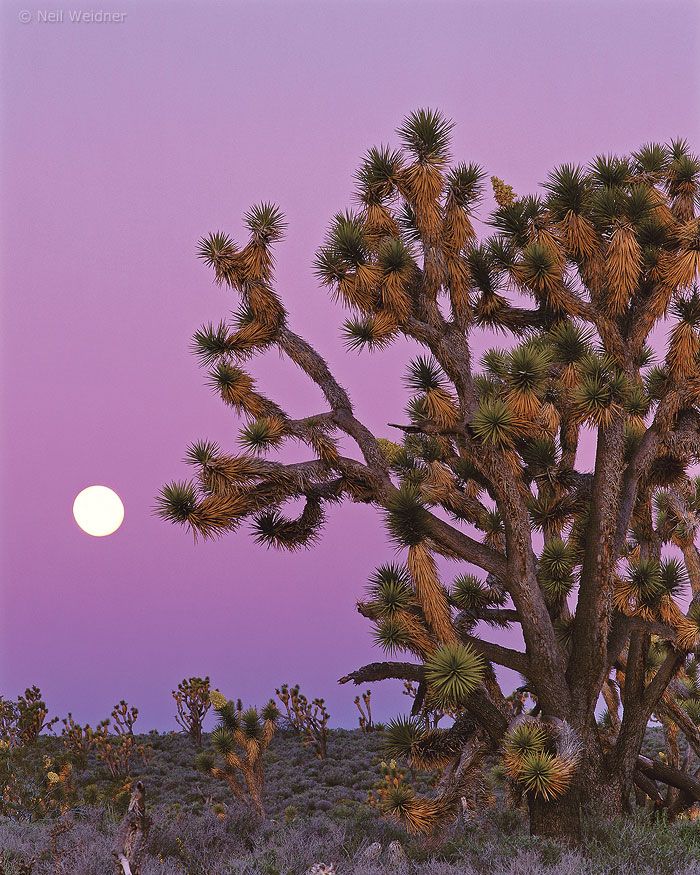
[[594, 794], [560, 819], [133, 832]]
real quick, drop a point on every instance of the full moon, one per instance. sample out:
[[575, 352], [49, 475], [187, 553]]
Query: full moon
[[98, 510]]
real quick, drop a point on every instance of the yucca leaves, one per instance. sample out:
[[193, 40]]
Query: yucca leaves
[[400, 737], [347, 237], [420, 815], [598, 397], [270, 712], [453, 672], [641, 589], [390, 588], [610, 171], [569, 190], [673, 577], [570, 342], [265, 222], [407, 518], [273, 529], [541, 758], [223, 741], [263, 434], [369, 332], [464, 184], [470, 593], [218, 251], [392, 635], [177, 501], [544, 775], [495, 362], [525, 739], [426, 133], [556, 566], [378, 172], [652, 160], [656, 382], [688, 628], [495, 423], [212, 342], [425, 374]]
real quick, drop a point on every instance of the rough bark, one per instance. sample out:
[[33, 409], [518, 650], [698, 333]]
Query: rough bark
[[133, 832]]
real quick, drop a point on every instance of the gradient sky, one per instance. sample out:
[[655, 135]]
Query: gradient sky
[[122, 144]]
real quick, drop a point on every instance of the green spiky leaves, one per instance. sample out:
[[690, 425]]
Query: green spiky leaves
[[424, 374], [426, 134], [263, 434], [215, 248], [222, 741], [407, 517], [212, 342], [347, 238], [465, 184], [400, 737], [273, 529], [540, 758], [177, 502], [469, 593], [265, 222], [555, 570], [392, 636], [453, 672], [651, 159], [270, 712], [378, 172], [610, 171], [601, 393], [544, 775], [523, 740], [495, 423], [368, 332], [570, 342], [390, 588], [569, 191]]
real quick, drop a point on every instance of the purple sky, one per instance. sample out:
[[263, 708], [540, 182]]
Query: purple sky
[[125, 142]]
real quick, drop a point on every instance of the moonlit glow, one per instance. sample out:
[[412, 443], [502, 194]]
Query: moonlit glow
[[98, 510]]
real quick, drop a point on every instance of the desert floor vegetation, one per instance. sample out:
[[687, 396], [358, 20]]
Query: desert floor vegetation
[[317, 812]]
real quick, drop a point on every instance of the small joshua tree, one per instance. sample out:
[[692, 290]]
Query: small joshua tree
[[192, 698], [115, 742], [364, 706], [77, 740], [23, 721], [310, 718], [237, 747]]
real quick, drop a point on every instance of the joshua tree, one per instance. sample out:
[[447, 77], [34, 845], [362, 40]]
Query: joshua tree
[[364, 706], [309, 718], [118, 747], [193, 704], [489, 471], [23, 721], [237, 747]]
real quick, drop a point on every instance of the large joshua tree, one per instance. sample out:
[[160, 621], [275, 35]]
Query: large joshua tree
[[582, 564]]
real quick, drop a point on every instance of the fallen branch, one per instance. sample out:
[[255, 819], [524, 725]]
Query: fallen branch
[[667, 775], [133, 831]]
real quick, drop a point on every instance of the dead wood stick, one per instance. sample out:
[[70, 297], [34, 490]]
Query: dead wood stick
[[133, 831]]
